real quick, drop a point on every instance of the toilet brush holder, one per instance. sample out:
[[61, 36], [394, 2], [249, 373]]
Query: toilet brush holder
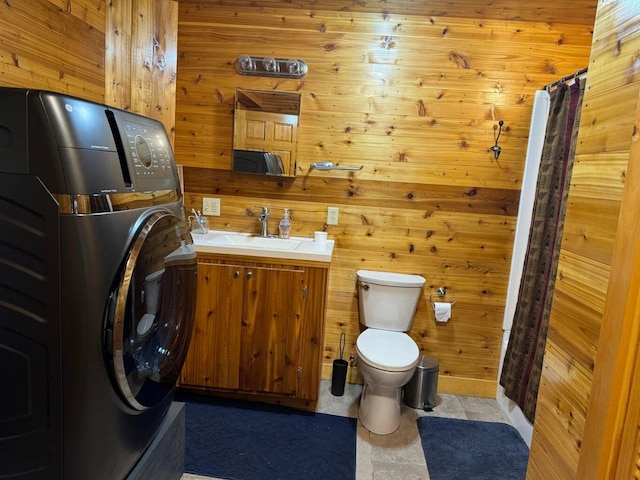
[[339, 377], [339, 374]]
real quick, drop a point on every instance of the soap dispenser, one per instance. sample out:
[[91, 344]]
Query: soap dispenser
[[285, 224]]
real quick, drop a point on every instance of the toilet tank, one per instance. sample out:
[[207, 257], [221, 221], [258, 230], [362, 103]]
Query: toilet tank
[[388, 301]]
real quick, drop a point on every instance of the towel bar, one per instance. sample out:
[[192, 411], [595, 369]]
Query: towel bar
[[331, 166]]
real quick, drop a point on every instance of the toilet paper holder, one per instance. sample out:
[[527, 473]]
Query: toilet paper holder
[[441, 292]]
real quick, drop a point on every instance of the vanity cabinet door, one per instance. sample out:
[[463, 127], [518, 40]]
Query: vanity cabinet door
[[214, 355], [259, 328], [271, 329], [313, 333]]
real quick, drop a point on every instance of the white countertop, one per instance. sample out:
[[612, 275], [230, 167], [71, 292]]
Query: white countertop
[[236, 243]]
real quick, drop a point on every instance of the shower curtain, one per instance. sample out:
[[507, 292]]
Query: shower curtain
[[522, 365], [537, 131]]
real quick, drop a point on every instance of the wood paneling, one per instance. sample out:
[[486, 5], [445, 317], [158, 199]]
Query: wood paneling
[[580, 12], [94, 50], [413, 97], [91, 12], [141, 53], [567, 390], [610, 448], [55, 46]]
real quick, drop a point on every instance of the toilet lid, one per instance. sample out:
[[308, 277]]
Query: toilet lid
[[387, 350], [391, 279]]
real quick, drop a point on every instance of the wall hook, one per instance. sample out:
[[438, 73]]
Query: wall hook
[[496, 148]]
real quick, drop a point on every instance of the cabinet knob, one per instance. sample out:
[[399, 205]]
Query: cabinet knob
[[249, 275], [236, 274]]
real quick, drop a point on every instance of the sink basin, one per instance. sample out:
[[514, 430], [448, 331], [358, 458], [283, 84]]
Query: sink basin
[[236, 243], [258, 242]]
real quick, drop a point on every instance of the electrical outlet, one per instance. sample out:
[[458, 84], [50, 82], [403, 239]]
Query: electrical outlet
[[211, 206], [332, 215]]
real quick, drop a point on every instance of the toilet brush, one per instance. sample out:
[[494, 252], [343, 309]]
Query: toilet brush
[[339, 375]]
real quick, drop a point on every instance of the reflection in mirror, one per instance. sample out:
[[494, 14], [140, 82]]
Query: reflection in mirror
[[265, 132]]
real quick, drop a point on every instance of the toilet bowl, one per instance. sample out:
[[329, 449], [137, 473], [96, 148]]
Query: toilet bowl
[[387, 356], [387, 361]]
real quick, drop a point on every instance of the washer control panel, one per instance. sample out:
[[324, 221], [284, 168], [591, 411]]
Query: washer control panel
[[149, 150]]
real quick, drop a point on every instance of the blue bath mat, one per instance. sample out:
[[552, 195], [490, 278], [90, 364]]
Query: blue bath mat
[[470, 450], [241, 440]]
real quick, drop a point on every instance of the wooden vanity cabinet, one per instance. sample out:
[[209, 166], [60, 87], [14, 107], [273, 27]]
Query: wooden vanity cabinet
[[259, 327]]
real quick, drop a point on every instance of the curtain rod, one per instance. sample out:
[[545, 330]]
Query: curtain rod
[[582, 71]]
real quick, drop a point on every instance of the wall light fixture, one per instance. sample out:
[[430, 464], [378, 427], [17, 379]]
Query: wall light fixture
[[271, 67]]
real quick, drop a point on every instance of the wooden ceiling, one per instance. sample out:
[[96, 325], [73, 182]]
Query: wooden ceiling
[[580, 12]]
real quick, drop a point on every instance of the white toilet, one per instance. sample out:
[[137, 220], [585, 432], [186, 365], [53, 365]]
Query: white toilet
[[387, 356]]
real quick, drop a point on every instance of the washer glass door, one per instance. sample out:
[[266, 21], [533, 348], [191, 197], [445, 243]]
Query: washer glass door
[[150, 314]]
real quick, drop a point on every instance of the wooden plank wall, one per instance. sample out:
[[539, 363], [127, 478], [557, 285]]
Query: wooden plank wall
[[610, 446], [141, 52], [414, 98], [54, 45], [602, 153], [97, 50]]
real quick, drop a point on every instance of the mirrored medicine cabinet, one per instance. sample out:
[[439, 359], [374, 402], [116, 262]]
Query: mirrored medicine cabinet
[[265, 132]]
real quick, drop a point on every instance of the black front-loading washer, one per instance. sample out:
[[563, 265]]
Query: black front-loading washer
[[97, 286]]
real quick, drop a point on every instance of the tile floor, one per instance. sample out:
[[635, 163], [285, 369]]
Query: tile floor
[[398, 455]]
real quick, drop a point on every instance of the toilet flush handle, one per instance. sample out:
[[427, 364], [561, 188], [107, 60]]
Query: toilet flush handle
[[365, 286]]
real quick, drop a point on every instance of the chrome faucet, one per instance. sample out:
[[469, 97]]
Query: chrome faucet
[[264, 218]]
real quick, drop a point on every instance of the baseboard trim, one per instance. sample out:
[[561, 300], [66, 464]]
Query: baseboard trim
[[446, 384]]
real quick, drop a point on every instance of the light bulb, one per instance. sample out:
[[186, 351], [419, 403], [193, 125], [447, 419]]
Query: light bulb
[[269, 64], [246, 63], [293, 67]]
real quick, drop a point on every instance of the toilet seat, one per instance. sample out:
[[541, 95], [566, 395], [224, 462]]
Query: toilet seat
[[387, 350]]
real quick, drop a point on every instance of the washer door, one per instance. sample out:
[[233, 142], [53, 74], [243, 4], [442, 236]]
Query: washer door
[[150, 314]]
